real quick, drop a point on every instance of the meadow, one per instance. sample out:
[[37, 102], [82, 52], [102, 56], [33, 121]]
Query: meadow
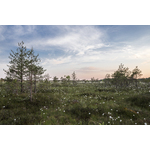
[[84, 103]]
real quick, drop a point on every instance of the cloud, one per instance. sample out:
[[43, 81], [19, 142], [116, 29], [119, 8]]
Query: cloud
[[73, 39], [56, 61], [2, 29], [87, 69], [79, 47]]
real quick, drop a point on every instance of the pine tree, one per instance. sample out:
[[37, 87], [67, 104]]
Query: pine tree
[[38, 71], [33, 70], [24, 65], [17, 67], [55, 79], [74, 78], [121, 76], [135, 74]]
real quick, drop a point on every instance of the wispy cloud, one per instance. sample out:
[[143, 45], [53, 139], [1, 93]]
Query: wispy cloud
[[88, 69], [56, 61], [78, 39], [80, 47]]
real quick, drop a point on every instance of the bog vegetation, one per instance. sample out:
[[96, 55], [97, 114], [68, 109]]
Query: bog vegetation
[[29, 97]]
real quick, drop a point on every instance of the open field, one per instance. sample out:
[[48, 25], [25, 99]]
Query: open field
[[82, 104]]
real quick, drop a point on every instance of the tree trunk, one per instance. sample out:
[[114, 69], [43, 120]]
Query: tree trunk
[[34, 84], [31, 86], [21, 87], [31, 90]]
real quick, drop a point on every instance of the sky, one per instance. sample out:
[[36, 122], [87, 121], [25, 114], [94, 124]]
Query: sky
[[89, 50]]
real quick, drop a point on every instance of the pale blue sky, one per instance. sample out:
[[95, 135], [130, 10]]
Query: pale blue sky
[[90, 51]]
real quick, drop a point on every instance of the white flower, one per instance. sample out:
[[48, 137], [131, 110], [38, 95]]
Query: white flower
[[3, 106], [64, 110], [14, 119], [137, 112], [43, 113], [145, 123], [110, 117], [120, 120]]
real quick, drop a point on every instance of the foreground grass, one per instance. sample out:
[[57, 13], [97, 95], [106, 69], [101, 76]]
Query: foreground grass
[[84, 104]]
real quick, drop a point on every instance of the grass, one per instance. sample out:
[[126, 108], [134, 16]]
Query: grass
[[84, 104]]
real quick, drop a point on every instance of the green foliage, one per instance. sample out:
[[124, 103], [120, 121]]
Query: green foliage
[[142, 100], [65, 80], [24, 68], [55, 79], [74, 78], [101, 123], [17, 67], [85, 103], [123, 77]]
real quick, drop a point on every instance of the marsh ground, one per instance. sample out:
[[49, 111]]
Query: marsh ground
[[83, 104]]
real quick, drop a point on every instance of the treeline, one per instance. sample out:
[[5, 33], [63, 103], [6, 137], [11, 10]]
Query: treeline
[[123, 77]]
